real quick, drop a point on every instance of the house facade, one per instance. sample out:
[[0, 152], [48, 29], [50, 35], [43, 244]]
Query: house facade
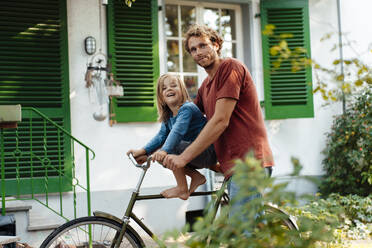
[[44, 65]]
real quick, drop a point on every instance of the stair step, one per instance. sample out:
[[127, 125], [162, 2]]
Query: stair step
[[8, 239], [16, 206], [38, 221]]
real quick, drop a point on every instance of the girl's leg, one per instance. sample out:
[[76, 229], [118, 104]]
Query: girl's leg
[[197, 179], [181, 191]]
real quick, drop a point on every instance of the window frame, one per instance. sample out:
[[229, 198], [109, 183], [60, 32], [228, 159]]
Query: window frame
[[200, 6]]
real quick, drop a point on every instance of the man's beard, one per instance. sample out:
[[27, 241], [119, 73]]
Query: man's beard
[[209, 66]]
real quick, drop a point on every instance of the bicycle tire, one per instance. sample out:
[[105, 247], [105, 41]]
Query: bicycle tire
[[74, 234], [285, 219]]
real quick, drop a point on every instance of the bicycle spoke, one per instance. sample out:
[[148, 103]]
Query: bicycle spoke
[[77, 235]]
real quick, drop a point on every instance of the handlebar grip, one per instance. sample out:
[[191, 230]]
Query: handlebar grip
[[132, 159], [144, 165]]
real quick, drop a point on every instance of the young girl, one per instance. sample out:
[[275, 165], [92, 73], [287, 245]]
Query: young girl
[[182, 121]]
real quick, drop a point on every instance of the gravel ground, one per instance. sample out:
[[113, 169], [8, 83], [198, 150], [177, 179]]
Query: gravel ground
[[354, 244], [361, 244]]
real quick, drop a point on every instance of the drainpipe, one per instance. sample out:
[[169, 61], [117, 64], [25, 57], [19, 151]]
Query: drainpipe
[[341, 51]]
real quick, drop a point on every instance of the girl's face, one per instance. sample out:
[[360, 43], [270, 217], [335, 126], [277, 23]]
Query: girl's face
[[171, 92]]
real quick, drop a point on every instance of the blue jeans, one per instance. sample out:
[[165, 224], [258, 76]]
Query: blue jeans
[[233, 190]]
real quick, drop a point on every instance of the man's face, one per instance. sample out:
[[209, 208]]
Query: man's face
[[203, 51]]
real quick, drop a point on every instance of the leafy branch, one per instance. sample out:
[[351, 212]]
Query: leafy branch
[[332, 83]]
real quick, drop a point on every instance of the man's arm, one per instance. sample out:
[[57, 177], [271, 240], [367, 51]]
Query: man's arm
[[210, 133]]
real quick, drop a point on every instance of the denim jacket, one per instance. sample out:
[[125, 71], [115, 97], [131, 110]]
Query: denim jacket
[[186, 125]]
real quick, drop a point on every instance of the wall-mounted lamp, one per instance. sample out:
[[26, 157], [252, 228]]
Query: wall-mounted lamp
[[90, 45]]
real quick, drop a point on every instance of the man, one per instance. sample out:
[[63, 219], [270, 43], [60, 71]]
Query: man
[[229, 100]]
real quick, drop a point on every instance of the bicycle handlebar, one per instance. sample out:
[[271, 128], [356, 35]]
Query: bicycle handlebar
[[144, 166]]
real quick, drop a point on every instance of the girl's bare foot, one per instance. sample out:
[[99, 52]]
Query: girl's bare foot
[[197, 179], [175, 192]]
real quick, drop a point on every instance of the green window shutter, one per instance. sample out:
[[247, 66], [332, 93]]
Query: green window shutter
[[287, 94], [133, 48], [34, 73]]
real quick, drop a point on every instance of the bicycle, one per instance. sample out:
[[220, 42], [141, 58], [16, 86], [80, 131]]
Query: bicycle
[[105, 230]]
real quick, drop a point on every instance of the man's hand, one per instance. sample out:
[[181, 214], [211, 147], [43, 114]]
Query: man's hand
[[209, 134], [174, 162], [159, 156], [139, 155]]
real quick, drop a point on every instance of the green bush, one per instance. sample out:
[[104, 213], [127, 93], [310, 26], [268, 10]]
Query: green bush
[[353, 212], [348, 162], [230, 231]]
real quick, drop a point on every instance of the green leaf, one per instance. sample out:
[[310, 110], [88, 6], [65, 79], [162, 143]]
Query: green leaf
[[300, 50], [327, 36], [269, 30], [277, 64], [340, 77], [297, 167], [358, 82], [368, 80], [285, 36], [274, 50], [283, 44], [316, 89], [347, 62]]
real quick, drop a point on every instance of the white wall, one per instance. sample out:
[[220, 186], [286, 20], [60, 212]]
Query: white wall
[[112, 176], [305, 138], [110, 170], [356, 26]]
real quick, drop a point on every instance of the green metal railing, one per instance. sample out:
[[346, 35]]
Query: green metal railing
[[38, 162]]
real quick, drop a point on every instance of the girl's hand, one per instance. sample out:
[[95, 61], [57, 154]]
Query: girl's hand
[[139, 155], [159, 156]]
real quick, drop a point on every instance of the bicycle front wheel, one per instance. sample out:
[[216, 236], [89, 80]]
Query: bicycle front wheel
[[94, 230]]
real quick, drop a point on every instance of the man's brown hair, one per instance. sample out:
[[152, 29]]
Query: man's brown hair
[[203, 31]]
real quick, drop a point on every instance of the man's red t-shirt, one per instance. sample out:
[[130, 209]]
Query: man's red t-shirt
[[246, 131]]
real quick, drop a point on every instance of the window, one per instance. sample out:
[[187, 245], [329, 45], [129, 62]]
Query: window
[[178, 17], [287, 94]]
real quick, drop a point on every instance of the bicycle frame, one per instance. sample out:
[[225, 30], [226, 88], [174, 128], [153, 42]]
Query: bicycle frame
[[137, 197]]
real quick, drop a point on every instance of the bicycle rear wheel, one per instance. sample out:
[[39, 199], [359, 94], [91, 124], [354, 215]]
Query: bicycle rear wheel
[[282, 217], [101, 231]]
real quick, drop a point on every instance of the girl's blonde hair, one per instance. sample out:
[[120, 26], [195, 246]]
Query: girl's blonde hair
[[164, 111]]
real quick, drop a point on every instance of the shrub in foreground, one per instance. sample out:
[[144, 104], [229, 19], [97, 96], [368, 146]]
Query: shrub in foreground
[[253, 231]]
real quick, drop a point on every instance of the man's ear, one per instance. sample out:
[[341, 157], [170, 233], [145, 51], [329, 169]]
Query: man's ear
[[216, 46]]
